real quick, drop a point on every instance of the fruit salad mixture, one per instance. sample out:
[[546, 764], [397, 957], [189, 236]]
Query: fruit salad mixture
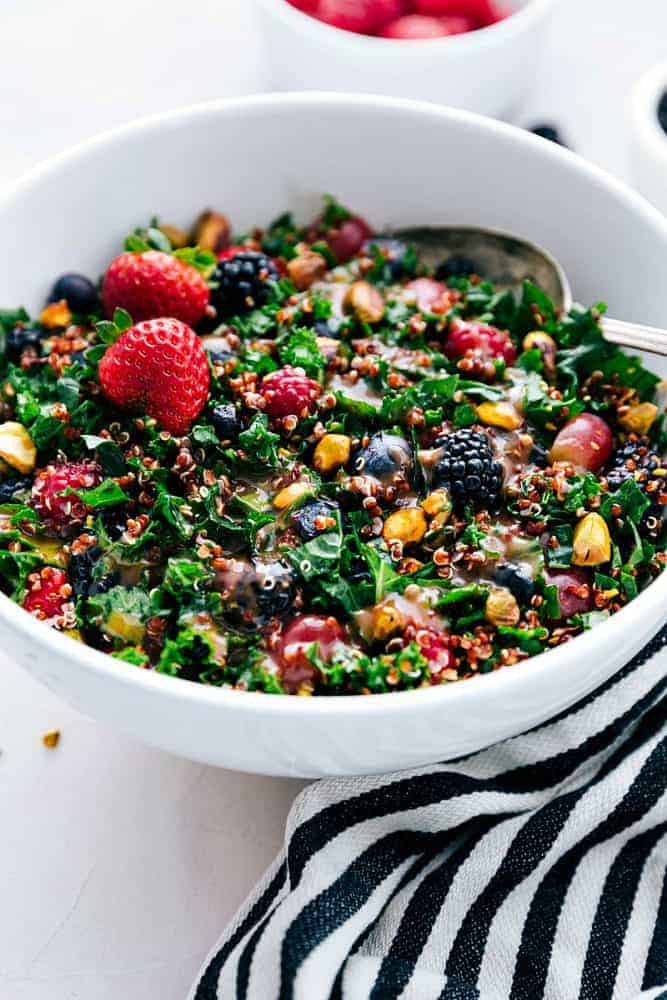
[[408, 20], [299, 461]]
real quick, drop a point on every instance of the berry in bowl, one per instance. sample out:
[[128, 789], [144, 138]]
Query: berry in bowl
[[408, 48], [287, 481]]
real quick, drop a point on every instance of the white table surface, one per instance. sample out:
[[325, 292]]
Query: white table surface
[[120, 864]]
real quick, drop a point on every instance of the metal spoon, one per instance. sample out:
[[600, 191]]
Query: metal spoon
[[508, 261]]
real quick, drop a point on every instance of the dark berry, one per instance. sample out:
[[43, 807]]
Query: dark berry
[[225, 420], [549, 132], [9, 488], [114, 520], [456, 266], [385, 457], [20, 339], [79, 292], [468, 469], [289, 391], [328, 327], [243, 282], [662, 112], [254, 593], [314, 518], [85, 582], [393, 251], [517, 580], [637, 460], [539, 456]]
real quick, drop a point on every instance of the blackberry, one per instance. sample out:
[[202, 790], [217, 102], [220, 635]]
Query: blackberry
[[10, 487], [455, 267], [243, 282], [636, 460], [81, 572], [468, 469]]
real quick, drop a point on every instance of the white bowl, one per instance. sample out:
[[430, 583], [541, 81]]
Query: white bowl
[[486, 71], [648, 141], [253, 158]]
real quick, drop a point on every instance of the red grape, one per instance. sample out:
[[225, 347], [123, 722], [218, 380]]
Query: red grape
[[575, 593], [585, 441], [298, 637]]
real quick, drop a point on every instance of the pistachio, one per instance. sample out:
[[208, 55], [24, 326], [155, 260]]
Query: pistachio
[[51, 739], [591, 545], [56, 315], [16, 447], [212, 231], [364, 301], [290, 494], [502, 414], [304, 270], [407, 525], [546, 346], [639, 419], [502, 608], [332, 452], [438, 502], [177, 237], [387, 621]]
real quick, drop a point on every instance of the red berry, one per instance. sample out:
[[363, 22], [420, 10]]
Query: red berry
[[436, 649], [575, 593], [489, 341], [288, 392], [59, 511], [458, 25], [431, 295], [480, 12], [47, 592], [585, 441], [160, 367], [358, 16], [153, 284], [414, 27], [346, 240], [298, 637]]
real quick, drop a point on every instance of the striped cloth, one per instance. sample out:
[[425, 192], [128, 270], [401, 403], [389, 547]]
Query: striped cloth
[[533, 869]]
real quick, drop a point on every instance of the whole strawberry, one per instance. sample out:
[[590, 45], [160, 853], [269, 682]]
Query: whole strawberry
[[153, 284], [60, 511], [47, 593], [158, 367]]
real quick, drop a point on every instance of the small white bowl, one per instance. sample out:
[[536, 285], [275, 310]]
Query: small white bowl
[[486, 71], [254, 158], [648, 141]]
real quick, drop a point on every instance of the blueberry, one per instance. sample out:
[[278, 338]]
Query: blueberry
[[456, 266], [79, 291], [225, 420], [306, 518], [20, 339], [10, 487], [393, 251], [549, 132], [328, 327], [81, 571], [384, 457], [539, 456], [662, 112], [517, 580], [254, 593]]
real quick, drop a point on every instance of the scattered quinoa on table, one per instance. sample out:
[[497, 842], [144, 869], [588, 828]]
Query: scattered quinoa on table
[[299, 461]]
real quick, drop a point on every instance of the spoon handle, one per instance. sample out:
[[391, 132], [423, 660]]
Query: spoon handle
[[641, 338]]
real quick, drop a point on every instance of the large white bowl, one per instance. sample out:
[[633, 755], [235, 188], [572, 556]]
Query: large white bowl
[[409, 163], [487, 71]]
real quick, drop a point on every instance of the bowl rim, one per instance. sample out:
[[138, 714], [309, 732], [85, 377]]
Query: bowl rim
[[643, 106], [530, 13], [647, 606]]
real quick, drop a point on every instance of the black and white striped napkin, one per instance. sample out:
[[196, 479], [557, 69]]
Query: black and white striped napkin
[[533, 869]]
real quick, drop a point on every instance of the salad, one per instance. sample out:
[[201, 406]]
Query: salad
[[298, 461]]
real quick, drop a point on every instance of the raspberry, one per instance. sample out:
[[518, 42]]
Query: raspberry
[[61, 512], [435, 648], [160, 367], [489, 341], [47, 593], [289, 391], [153, 284]]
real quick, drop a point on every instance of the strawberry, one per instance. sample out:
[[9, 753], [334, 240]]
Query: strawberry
[[289, 391], [153, 284], [158, 366], [61, 512], [47, 592]]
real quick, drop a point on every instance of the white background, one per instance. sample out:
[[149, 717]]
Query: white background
[[119, 864]]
